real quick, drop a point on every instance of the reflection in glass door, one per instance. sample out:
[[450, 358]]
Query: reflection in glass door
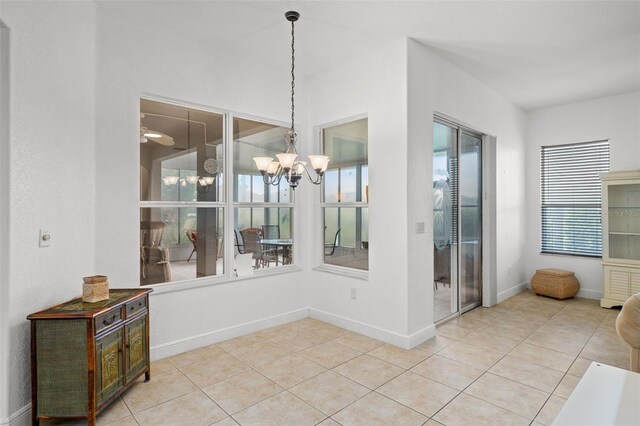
[[457, 219], [445, 217]]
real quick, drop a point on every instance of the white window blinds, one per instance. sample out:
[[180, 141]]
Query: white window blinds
[[571, 198]]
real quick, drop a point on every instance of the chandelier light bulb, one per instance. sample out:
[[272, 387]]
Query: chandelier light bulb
[[273, 168], [319, 162], [170, 180], [286, 160], [262, 163]]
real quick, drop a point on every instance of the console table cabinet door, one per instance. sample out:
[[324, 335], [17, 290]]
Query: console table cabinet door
[[109, 371], [136, 348]]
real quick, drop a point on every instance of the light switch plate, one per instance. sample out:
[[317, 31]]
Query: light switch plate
[[45, 238], [419, 227]]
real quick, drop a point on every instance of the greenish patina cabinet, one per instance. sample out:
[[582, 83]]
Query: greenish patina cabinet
[[84, 355]]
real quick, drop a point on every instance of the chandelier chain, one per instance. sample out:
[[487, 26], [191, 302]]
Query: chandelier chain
[[293, 77], [288, 166]]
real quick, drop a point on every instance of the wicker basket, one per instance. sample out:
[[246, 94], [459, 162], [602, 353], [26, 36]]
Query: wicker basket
[[95, 288], [555, 283]]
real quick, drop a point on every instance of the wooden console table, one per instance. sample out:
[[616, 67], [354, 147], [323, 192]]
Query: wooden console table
[[84, 355]]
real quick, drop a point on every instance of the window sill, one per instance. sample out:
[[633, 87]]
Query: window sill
[[174, 286], [347, 272]]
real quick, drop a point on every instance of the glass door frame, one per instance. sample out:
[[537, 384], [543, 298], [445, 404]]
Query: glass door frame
[[456, 272]]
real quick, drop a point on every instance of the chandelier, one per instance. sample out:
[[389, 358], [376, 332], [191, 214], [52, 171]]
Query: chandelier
[[203, 183], [288, 165]]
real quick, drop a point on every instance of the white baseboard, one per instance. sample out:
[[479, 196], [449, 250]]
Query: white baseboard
[[590, 294], [22, 417], [387, 336], [503, 295], [176, 347], [422, 336]]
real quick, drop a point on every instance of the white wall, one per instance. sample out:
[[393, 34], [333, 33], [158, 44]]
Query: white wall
[[400, 101], [373, 83], [134, 60], [616, 118], [4, 220], [436, 85], [51, 157]]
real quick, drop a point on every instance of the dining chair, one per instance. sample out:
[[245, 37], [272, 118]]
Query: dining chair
[[154, 259], [193, 236], [262, 256], [330, 248], [239, 245]]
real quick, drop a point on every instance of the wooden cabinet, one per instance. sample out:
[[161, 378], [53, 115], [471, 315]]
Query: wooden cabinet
[[620, 236], [84, 355]]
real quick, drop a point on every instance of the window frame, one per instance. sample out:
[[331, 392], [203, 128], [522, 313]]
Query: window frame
[[227, 206], [547, 195], [321, 265]]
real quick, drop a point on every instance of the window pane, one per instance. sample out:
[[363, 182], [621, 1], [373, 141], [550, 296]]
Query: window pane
[[256, 139], [242, 218], [243, 188], [330, 185], [348, 184], [180, 243], [268, 236], [346, 237], [258, 189], [178, 145], [346, 146]]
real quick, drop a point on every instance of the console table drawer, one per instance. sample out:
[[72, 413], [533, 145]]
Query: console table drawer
[[132, 308], [108, 319]]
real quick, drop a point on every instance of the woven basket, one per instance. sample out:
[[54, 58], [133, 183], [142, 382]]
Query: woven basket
[[95, 288], [555, 283]]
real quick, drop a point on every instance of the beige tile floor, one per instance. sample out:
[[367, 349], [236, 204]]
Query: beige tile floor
[[515, 363]]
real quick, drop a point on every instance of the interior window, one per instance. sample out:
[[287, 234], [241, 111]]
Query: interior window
[[181, 193], [345, 195], [262, 213]]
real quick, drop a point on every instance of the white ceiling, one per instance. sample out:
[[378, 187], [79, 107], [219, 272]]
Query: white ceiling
[[535, 54]]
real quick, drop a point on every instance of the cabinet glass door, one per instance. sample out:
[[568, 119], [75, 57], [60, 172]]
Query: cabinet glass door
[[624, 221], [109, 376], [136, 347]]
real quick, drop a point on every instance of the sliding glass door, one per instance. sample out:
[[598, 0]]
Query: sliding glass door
[[457, 219], [470, 235]]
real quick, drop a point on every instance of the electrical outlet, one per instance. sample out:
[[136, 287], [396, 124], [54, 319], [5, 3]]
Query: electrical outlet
[[354, 293], [419, 227], [45, 238]]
